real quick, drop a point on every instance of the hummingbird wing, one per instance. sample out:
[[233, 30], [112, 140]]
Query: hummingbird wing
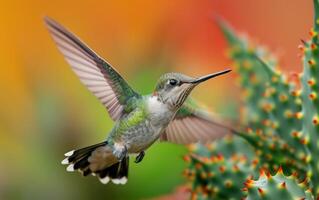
[[94, 72], [192, 124]]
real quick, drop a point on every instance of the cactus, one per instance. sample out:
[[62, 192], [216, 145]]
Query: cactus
[[219, 176], [274, 152], [275, 134], [278, 186], [281, 129], [310, 108], [266, 90]]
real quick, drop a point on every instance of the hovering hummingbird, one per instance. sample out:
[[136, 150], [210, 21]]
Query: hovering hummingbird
[[140, 120]]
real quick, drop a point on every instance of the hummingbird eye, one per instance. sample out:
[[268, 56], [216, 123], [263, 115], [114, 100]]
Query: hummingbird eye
[[173, 82]]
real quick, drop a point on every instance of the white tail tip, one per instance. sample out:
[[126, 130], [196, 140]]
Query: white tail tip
[[105, 180], [65, 161], [70, 168], [122, 180], [70, 153]]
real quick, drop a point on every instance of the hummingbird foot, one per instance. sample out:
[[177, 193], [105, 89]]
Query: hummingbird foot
[[139, 157], [120, 151]]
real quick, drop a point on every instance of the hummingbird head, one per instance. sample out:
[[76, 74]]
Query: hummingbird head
[[173, 88]]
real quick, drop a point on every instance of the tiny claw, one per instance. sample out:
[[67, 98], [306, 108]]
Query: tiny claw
[[139, 157]]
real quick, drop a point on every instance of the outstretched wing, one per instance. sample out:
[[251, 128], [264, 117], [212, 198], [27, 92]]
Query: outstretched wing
[[94, 72], [192, 124]]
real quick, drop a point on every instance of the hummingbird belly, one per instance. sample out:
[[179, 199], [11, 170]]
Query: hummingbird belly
[[140, 128], [142, 137], [145, 133]]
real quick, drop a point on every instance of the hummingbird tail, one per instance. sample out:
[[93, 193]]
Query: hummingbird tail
[[98, 160]]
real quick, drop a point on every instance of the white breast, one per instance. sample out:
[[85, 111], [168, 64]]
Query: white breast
[[155, 105], [160, 114]]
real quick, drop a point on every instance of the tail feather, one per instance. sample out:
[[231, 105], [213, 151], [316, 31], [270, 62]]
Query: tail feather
[[77, 154], [98, 160], [118, 172]]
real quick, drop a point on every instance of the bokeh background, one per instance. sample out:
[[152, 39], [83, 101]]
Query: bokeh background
[[45, 111]]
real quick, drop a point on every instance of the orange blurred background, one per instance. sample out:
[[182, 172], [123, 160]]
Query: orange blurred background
[[45, 111]]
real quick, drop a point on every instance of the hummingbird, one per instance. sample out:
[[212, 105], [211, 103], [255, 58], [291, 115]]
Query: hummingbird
[[167, 114]]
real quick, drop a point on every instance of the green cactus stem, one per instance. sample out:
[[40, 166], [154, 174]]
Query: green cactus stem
[[310, 109], [278, 186], [218, 176]]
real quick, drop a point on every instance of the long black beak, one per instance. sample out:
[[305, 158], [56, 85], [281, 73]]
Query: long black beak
[[209, 76]]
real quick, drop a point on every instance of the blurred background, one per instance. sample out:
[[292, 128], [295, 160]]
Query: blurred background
[[45, 111]]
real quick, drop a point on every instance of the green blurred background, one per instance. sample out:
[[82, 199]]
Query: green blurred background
[[45, 111]]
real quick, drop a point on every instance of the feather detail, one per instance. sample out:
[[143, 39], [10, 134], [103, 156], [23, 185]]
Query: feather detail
[[94, 72]]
